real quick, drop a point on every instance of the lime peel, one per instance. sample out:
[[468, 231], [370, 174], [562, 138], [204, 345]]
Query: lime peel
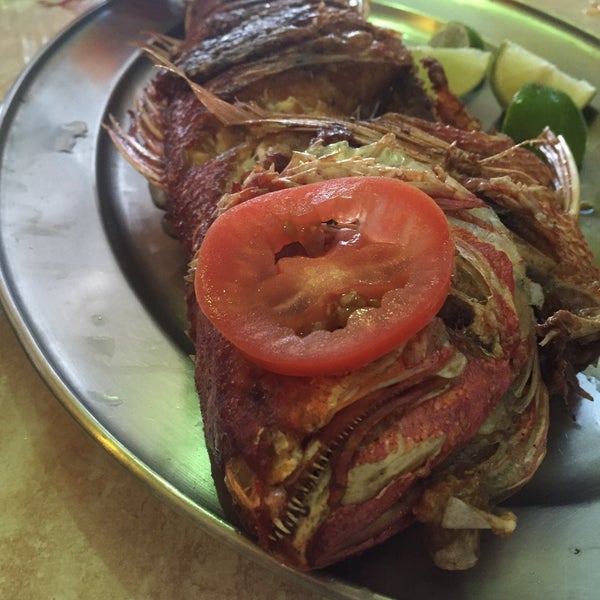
[[457, 35], [465, 68], [513, 66], [536, 106]]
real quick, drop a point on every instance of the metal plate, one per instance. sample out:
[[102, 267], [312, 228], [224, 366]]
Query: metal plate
[[93, 287]]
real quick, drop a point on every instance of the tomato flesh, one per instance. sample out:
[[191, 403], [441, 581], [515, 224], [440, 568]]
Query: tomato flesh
[[326, 277]]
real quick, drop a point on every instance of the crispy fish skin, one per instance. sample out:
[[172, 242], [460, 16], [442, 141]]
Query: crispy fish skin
[[452, 422], [432, 397], [320, 53], [312, 57]]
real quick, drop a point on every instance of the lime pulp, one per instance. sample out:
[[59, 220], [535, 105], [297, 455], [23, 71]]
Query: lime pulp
[[465, 68], [457, 35], [513, 66]]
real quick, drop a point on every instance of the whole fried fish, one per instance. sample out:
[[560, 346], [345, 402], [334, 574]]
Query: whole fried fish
[[267, 96]]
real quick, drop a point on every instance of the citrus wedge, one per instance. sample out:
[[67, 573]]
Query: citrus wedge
[[513, 66], [536, 106], [465, 67], [456, 35]]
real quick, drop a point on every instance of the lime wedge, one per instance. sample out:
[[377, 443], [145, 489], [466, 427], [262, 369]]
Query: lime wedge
[[456, 35], [513, 66], [465, 67], [536, 106]]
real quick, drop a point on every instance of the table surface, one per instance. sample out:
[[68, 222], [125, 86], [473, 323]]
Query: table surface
[[75, 523]]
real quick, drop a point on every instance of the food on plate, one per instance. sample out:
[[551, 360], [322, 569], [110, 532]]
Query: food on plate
[[513, 66], [536, 106], [457, 35], [465, 68], [534, 92], [301, 166], [311, 268]]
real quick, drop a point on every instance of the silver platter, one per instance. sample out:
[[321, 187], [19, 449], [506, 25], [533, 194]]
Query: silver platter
[[93, 287]]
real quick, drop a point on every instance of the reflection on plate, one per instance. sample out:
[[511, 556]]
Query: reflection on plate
[[93, 286]]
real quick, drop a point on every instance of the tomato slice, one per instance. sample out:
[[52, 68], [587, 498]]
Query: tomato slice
[[326, 277]]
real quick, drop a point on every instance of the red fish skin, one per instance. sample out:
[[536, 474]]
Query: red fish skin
[[456, 416], [196, 159]]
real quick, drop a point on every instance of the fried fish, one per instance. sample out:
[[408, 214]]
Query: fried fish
[[263, 97]]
